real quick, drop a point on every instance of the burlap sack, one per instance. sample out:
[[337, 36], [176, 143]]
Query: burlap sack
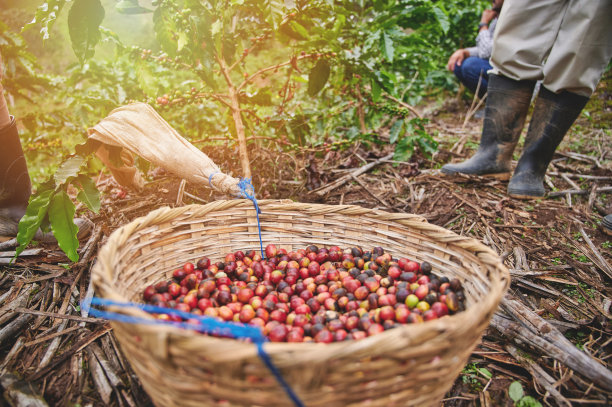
[[140, 130]]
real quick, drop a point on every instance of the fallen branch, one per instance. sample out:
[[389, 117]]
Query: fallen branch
[[346, 178], [538, 333], [578, 192]]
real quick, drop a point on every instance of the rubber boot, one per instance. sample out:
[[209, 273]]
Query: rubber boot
[[552, 117], [16, 188], [505, 111]]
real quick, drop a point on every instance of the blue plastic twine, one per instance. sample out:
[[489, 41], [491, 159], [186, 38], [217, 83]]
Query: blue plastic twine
[[206, 325], [247, 190]]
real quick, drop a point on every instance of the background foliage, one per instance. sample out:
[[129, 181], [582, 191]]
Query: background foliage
[[303, 73]]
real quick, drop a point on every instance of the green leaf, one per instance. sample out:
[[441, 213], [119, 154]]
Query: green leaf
[[299, 29], [216, 27], [442, 18], [182, 41], [485, 372], [318, 77], [376, 90], [88, 193], [68, 169], [131, 7], [84, 20], [395, 131], [388, 49], [34, 216], [403, 150], [146, 79], [46, 15], [61, 216], [528, 401], [515, 391], [164, 30]]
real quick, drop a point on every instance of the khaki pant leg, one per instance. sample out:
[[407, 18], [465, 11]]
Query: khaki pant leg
[[582, 49], [524, 35]]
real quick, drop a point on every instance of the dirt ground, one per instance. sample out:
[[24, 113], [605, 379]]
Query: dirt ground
[[558, 256]]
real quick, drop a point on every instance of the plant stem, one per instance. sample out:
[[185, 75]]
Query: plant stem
[[237, 116]]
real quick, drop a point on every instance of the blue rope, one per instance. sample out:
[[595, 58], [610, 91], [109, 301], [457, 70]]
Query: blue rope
[[247, 190], [207, 325]]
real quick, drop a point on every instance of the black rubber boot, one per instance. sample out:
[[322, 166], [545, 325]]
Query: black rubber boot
[[552, 117], [507, 105], [16, 188]]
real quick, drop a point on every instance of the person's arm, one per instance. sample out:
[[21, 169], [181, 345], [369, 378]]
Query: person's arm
[[484, 41], [457, 58], [5, 118]]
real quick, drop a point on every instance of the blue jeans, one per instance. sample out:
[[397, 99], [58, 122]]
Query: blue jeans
[[470, 71]]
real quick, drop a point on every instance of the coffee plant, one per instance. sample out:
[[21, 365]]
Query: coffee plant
[[306, 73]]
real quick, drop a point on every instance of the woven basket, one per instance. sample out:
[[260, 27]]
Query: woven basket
[[410, 365]]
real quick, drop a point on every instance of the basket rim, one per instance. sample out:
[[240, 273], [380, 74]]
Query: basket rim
[[103, 271]]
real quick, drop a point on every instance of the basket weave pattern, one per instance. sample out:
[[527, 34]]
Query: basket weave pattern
[[410, 365]]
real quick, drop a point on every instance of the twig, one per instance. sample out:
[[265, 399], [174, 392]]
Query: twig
[[356, 172], [598, 258], [67, 354], [547, 339], [14, 327], [366, 189], [20, 393], [404, 105], [577, 192], [540, 376], [51, 336], [61, 316]]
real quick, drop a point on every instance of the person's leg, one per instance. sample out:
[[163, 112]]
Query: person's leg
[[472, 71], [553, 115], [525, 33], [574, 66], [505, 111], [15, 186]]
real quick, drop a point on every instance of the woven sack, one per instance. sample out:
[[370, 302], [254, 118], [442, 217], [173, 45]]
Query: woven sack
[[413, 364]]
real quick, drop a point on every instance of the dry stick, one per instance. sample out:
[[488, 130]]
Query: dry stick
[[100, 380], [592, 197], [544, 336], [8, 311], [61, 316], [578, 192], [51, 336], [107, 367], [13, 353], [11, 329], [598, 260], [539, 375], [20, 393], [180, 192], [237, 116], [77, 347], [365, 188], [583, 176], [53, 346], [9, 244], [356, 172]]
